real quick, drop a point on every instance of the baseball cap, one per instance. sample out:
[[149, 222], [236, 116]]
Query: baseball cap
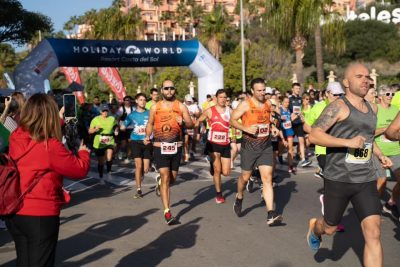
[[188, 98], [104, 107], [268, 90], [335, 88]]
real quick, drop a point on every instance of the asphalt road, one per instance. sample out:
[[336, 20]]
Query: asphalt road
[[105, 226]]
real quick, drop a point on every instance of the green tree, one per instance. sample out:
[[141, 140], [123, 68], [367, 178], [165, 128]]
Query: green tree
[[18, 25], [213, 29], [181, 76], [8, 60]]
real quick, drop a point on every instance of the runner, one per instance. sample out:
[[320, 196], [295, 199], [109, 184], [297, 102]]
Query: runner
[[218, 141], [141, 153], [166, 118], [386, 114], [256, 149], [286, 125], [346, 127], [103, 126], [190, 135]]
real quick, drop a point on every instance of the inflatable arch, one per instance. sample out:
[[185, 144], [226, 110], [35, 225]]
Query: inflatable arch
[[51, 53]]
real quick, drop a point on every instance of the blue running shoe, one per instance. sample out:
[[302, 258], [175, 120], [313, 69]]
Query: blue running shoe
[[314, 242]]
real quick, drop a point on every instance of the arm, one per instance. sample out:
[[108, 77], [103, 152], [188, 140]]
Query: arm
[[150, 125], [237, 114], [205, 115], [7, 103], [393, 131], [63, 162], [186, 117], [385, 161], [332, 114], [380, 131], [93, 128]]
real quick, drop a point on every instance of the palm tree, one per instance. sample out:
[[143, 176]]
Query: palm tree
[[213, 29], [293, 22]]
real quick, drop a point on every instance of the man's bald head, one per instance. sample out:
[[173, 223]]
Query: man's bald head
[[352, 68], [356, 79]]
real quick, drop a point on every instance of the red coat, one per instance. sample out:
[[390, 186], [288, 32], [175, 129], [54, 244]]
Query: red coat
[[52, 161]]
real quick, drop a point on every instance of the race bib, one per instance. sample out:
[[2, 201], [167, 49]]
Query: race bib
[[287, 125], [219, 137], [284, 117], [190, 132], [238, 132], [105, 139], [169, 148], [296, 109], [359, 155], [263, 130], [140, 130]]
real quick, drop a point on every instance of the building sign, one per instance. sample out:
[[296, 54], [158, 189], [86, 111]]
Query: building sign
[[383, 15]]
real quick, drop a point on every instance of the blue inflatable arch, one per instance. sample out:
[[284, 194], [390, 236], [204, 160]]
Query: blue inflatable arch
[[51, 53]]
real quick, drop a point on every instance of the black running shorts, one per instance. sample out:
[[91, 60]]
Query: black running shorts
[[249, 159], [225, 151], [101, 152], [298, 130], [140, 150], [337, 195], [167, 161]]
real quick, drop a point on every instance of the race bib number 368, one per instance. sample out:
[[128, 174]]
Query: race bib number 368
[[359, 155], [169, 148]]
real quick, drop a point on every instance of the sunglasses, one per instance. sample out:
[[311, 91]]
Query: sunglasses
[[169, 88], [389, 94], [339, 95]]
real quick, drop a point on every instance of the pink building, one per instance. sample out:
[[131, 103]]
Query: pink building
[[159, 22]]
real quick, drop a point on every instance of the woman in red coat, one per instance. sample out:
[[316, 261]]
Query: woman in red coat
[[37, 148]]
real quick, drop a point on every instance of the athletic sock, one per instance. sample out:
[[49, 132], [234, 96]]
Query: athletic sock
[[100, 169], [109, 164]]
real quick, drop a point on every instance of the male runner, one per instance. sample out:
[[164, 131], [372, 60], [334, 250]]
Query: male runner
[[218, 142], [141, 153], [165, 122], [256, 148], [346, 127]]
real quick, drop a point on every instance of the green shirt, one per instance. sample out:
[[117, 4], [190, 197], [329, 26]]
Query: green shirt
[[311, 117], [104, 137], [385, 117], [149, 104], [396, 100]]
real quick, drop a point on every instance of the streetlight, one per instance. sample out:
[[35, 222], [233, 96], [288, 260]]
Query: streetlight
[[242, 44]]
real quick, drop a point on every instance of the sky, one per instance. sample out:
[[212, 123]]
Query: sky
[[60, 11]]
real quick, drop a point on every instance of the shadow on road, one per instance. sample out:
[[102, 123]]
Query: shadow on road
[[352, 238], [97, 234], [181, 237]]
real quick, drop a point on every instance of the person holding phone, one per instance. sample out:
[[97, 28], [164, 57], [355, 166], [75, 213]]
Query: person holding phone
[[37, 144], [12, 109], [103, 126]]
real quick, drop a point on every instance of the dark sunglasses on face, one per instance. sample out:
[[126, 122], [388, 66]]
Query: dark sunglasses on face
[[389, 94], [339, 95], [169, 88]]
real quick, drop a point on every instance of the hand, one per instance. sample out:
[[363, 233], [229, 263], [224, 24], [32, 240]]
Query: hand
[[251, 129], [385, 161], [179, 119], [285, 143], [7, 101], [116, 132], [355, 142], [61, 112], [146, 140], [83, 147], [274, 131]]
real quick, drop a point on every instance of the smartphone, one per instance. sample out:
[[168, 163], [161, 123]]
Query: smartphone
[[69, 102]]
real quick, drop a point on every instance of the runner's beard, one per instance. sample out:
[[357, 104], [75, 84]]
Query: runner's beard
[[169, 98]]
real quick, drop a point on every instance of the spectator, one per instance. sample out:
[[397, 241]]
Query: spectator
[[154, 98]]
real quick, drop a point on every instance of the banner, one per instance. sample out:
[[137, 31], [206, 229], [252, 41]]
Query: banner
[[72, 75], [113, 79]]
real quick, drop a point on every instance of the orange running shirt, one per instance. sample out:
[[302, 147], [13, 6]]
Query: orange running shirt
[[166, 127], [260, 116]]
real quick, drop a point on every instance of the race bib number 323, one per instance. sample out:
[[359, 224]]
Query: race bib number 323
[[359, 155]]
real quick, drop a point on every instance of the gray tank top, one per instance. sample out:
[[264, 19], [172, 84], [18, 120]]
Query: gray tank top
[[352, 165]]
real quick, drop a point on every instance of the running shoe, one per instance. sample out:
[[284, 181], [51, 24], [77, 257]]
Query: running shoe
[[305, 163], [392, 210], [321, 199], [237, 206], [319, 174], [138, 194], [250, 185], [313, 241], [273, 218], [169, 219], [290, 170], [340, 228], [219, 199], [127, 161], [294, 170], [158, 182]]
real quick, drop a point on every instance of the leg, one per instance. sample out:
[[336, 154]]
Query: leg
[[373, 252], [138, 172], [164, 187], [381, 185], [302, 148], [268, 191], [241, 184], [216, 161], [109, 154], [234, 152], [146, 165], [226, 166], [290, 152]]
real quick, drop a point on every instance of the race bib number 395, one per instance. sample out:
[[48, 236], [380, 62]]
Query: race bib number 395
[[359, 155], [169, 148]]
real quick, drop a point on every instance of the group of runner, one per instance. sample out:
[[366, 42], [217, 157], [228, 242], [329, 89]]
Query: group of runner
[[344, 128]]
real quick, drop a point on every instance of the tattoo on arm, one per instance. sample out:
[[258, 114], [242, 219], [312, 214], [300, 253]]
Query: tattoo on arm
[[328, 117]]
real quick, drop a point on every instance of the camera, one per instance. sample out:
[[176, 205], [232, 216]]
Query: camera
[[13, 105]]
